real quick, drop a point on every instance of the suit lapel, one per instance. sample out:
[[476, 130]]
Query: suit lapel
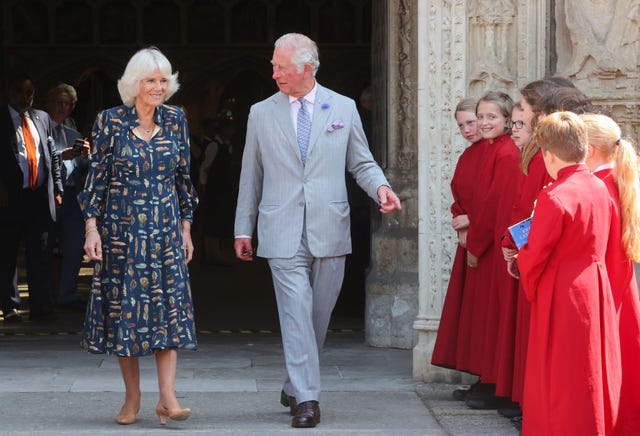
[[321, 112], [42, 132], [283, 119]]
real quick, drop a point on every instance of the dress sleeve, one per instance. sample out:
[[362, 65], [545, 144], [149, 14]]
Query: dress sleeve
[[546, 229], [187, 196], [92, 198]]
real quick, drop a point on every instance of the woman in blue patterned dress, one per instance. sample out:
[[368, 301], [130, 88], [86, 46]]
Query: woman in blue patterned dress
[[138, 205]]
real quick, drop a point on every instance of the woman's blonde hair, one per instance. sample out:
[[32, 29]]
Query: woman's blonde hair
[[141, 64], [606, 137]]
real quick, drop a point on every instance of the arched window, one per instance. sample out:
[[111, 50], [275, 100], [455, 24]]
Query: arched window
[[117, 22], [206, 22], [73, 22], [30, 24]]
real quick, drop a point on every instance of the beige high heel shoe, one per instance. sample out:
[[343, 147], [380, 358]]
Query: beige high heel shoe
[[174, 414], [127, 418]]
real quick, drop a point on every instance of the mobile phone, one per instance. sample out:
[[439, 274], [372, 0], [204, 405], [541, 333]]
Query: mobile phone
[[78, 143]]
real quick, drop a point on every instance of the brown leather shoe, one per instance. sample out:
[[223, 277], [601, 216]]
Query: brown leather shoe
[[288, 401], [307, 415]]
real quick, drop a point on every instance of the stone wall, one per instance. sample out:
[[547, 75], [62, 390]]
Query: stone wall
[[467, 47]]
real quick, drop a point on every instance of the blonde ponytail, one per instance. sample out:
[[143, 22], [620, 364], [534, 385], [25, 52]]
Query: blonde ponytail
[[605, 136], [627, 178]]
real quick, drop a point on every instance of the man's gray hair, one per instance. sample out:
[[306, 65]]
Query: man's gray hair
[[60, 89], [305, 51]]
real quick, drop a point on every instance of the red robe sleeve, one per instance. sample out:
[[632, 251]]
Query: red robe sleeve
[[546, 229]]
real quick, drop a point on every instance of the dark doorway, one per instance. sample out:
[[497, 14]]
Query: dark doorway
[[222, 51]]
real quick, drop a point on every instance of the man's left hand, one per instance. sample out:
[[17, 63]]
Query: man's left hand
[[58, 198], [388, 199]]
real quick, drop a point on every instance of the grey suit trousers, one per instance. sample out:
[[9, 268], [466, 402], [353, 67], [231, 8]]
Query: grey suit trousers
[[306, 289]]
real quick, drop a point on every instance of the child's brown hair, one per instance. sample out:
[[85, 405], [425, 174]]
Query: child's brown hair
[[563, 134]]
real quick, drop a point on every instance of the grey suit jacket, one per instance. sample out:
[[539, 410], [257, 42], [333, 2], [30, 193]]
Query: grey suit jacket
[[81, 165], [283, 195]]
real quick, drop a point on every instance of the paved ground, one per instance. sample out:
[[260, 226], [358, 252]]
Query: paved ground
[[49, 386], [232, 383]]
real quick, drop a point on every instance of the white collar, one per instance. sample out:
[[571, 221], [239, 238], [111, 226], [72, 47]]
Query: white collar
[[310, 97], [603, 167]]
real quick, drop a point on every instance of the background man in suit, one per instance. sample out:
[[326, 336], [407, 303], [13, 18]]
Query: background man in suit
[[299, 142], [30, 190], [73, 153]]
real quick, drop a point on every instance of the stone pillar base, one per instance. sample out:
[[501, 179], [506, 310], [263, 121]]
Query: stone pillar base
[[422, 352]]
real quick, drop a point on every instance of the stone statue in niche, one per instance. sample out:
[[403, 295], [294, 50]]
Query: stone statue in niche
[[598, 37], [490, 42]]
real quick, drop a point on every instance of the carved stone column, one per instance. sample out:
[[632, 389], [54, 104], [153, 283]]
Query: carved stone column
[[442, 81], [392, 283]]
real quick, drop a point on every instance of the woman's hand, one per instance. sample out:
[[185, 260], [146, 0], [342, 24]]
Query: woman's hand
[[92, 243], [187, 244]]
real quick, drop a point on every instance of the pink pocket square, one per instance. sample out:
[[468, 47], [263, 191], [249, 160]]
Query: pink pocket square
[[337, 124]]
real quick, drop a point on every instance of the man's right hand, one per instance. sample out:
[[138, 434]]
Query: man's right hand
[[243, 248]]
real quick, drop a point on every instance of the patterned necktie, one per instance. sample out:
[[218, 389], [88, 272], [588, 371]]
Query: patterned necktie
[[30, 145], [304, 130]]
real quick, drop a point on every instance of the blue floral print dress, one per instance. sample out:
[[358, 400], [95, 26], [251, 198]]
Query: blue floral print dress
[[140, 297]]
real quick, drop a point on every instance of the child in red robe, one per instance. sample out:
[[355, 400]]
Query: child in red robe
[[499, 175], [463, 189], [614, 160], [572, 380]]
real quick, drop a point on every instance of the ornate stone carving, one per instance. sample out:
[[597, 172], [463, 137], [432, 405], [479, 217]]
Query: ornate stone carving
[[597, 37], [491, 45]]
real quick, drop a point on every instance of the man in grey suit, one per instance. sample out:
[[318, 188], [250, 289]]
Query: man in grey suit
[[73, 152], [299, 143]]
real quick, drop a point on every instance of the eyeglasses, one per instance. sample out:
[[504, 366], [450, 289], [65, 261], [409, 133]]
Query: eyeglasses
[[517, 124]]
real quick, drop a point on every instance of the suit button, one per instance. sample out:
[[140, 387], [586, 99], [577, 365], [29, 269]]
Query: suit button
[[301, 203]]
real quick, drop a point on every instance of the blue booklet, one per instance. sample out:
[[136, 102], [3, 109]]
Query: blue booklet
[[520, 232]]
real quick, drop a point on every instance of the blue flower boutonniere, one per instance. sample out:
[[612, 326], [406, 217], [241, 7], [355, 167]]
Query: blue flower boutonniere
[[325, 106]]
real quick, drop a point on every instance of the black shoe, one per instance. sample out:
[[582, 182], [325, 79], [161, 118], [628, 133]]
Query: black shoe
[[487, 403], [11, 316], [460, 394], [512, 410], [288, 401], [307, 415], [481, 391]]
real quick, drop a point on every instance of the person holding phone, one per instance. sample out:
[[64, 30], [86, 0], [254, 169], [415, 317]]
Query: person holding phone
[[73, 151]]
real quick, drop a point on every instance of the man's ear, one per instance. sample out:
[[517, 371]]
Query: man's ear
[[590, 151], [308, 69]]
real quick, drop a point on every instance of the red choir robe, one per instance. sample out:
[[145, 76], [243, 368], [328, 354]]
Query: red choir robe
[[480, 313], [573, 375], [512, 369], [625, 295], [463, 186]]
